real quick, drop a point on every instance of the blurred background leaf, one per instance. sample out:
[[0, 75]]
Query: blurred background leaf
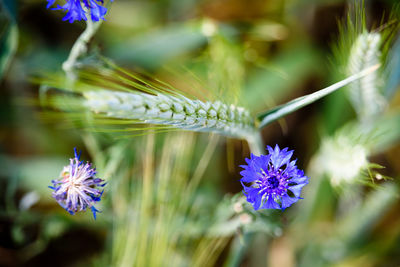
[[8, 34]]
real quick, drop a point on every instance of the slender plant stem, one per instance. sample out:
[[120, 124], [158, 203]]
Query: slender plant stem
[[256, 143], [238, 249], [80, 47]]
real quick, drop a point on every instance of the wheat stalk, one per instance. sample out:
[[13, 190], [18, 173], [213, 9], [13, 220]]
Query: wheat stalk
[[364, 94], [175, 110]]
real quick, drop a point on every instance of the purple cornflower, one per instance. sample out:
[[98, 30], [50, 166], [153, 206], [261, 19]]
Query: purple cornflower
[[77, 9], [272, 181], [78, 187]]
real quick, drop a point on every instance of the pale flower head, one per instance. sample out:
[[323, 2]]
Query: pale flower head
[[341, 159]]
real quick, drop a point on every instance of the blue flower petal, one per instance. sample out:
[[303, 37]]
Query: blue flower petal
[[287, 201], [257, 201], [94, 210], [75, 9], [50, 3], [299, 180], [248, 176], [296, 189], [97, 11], [285, 158], [270, 203]]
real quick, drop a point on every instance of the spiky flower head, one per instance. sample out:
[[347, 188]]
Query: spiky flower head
[[78, 188], [272, 181], [78, 9]]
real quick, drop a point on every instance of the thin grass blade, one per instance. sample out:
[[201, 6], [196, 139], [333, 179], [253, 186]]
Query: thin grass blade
[[285, 109]]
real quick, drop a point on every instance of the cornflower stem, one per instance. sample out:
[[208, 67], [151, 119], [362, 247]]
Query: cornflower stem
[[238, 249], [256, 143], [80, 47]]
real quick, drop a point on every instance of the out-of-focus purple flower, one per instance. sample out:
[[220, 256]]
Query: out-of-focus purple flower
[[272, 181], [78, 188], [77, 9]]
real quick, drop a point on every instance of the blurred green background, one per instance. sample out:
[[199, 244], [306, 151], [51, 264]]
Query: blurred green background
[[254, 53]]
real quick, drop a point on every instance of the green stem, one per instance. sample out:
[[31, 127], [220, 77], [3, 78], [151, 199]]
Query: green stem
[[238, 250], [80, 47], [256, 143]]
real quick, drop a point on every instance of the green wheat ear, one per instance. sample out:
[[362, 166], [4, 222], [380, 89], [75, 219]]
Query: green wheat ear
[[177, 111], [115, 96]]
